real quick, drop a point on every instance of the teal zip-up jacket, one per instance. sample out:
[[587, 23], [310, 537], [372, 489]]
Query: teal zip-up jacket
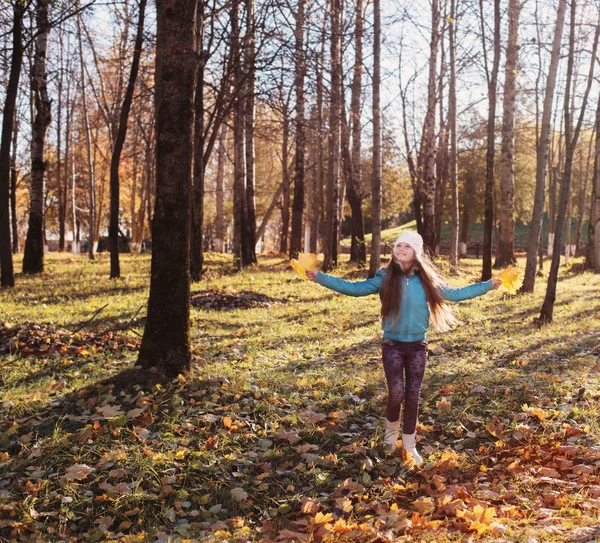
[[414, 310]]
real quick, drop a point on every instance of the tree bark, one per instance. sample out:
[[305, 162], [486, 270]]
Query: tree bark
[[88, 141], [542, 156], [452, 173], [13, 192], [330, 246], [429, 150], [285, 172], [299, 175], [582, 194], [239, 153], [377, 174], [7, 276], [357, 248], [221, 157], [113, 231], [61, 184], [249, 125], [547, 309], [506, 235], [196, 238], [488, 223], [166, 342], [33, 257], [592, 260]]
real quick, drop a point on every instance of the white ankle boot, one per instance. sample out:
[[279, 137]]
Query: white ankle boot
[[409, 444], [391, 435]]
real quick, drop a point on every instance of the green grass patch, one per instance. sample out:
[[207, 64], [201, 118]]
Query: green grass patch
[[275, 432]]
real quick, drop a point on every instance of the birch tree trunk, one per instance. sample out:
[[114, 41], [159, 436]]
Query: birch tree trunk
[[62, 192], [376, 175], [542, 156], [488, 223], [166, 343], [33, 257], [547, 309], [113, 231], [299, 177], [88, 142], [506, 235], [285, 204], [582, 194], [429, 150]]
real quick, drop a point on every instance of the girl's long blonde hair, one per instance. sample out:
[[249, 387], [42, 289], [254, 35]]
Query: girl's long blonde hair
[[441, 313]]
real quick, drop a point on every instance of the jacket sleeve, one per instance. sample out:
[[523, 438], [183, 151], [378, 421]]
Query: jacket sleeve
[[360, 288], [466, 293]]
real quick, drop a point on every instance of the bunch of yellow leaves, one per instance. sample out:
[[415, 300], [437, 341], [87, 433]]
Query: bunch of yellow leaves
[[305, 261], [510, 279]]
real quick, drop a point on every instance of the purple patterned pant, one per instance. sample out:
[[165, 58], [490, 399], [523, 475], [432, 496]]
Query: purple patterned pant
[[404, 366]]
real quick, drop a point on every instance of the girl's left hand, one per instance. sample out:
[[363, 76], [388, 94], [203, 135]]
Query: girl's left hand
[[496, 283]]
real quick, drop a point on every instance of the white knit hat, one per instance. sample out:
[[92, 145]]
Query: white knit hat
[[414, 240]]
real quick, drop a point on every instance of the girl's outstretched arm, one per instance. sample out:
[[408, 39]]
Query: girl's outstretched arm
[[471, 291], [359, 288]]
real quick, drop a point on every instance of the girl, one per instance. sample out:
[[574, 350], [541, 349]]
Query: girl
[[412, 292]]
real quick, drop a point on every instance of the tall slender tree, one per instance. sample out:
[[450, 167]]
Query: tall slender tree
[[506, 234], [166, 343], [428, 146], [452, 170], [7, 276], [330, 244], [113, 231], [542, 155], [299, 171], [492, 81], [571, 139], [592, 260], [377, 173]]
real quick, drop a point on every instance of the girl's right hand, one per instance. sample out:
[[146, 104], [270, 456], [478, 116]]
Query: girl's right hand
[[311, 274]]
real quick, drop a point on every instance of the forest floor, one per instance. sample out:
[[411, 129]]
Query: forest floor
[[275, 433]]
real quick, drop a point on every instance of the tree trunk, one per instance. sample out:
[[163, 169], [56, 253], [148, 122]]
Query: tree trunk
[[221, 157], [285, 205], [542, 156], [452, 173], [330, 245], [570, 147], [61, 185], [7, 277], [239, 153], [441, 159], [429, 179], [249, 244], [33, 257], [166, 342], [357, 248], [506, 237], [376, 178], [299, 176], [88, 141], [13, 192], [582, 194], [488, 223], [196, 238], [318, 225], [593, 244], [113, 231]]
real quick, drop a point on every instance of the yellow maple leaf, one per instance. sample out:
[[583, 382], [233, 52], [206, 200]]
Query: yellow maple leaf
[[305, 261], [509, 279]]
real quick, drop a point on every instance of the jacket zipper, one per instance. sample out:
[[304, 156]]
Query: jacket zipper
[[406, 317]]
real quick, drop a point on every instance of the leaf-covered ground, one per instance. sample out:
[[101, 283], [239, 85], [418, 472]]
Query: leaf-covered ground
[[275, 434]]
